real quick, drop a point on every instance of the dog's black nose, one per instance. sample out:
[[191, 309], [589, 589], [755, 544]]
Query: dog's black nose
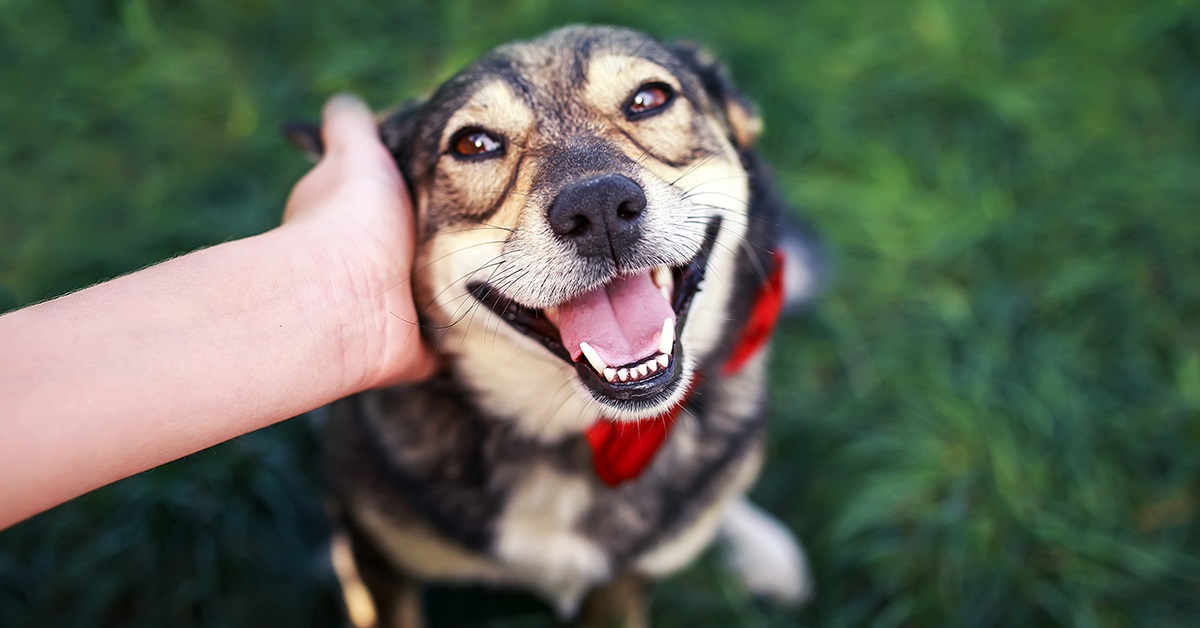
[[600, 215]]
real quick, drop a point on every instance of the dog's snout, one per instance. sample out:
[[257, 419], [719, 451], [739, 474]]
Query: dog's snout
[[599, 215]]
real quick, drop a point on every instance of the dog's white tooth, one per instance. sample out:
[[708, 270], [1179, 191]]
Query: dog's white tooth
[[551, 314], [610, 373], [663, 360], [651, 364], [666, 343], [643, 370], [623, 374], [661, 276], [592, 357]]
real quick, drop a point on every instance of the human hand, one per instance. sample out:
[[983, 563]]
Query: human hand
[[354, 211]]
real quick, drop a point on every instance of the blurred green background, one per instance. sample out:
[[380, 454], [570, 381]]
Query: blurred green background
[[990, 418]]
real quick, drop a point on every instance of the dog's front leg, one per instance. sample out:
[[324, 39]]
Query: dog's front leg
[[620, 603], [376, 596], [765, 555]]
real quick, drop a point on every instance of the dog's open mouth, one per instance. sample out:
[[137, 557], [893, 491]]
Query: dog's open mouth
[[622, 337]]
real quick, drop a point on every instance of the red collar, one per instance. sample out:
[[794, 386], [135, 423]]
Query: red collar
[[622, 450]]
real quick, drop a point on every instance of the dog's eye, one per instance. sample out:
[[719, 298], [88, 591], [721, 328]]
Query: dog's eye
[[649, 99], [476, 143]]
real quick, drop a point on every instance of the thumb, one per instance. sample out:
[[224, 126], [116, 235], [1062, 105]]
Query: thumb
[[347, 122]]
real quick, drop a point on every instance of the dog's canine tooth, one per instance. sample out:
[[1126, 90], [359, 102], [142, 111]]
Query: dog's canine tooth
[[592, 357], [663, 360], [666, 343], [623, 374], [661, 276], [610, 373]]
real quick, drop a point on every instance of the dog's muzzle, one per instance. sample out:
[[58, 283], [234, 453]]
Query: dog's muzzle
[[623, 336]]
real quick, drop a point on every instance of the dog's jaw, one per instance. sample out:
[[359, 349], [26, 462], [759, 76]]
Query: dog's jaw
[[516, 377], [640, 378]]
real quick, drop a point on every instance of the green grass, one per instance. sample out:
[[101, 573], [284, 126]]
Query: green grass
[[991, 417]]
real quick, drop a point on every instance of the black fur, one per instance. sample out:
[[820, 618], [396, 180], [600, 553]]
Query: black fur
[[431, 453]]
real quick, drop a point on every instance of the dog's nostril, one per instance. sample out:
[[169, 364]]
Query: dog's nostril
[[630, 209], [579, 227]]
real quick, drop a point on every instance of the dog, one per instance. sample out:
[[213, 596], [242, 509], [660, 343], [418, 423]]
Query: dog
[[599, 265]]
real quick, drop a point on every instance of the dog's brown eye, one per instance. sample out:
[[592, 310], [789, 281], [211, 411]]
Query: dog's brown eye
[[649, 99], [476, 143]]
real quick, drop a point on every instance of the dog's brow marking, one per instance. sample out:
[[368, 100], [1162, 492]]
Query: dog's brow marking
[[494, 105]]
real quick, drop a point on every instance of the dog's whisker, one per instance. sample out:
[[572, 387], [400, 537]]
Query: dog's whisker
[[465, 296], [481, 227], [495, 263], [461, 249], [565, 386], [498, 433], [646, 153], [737, 199], [736, 176], [694, 167]]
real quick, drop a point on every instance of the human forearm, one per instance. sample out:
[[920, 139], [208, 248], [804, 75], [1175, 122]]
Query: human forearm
[[138, 371], [117, 378]]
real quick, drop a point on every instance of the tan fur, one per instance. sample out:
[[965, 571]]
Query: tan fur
[[486, 220]]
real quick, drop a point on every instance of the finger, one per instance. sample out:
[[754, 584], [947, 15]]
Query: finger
[[347, 123]]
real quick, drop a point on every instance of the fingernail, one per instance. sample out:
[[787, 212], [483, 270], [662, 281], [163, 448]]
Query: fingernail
[[344, 101]]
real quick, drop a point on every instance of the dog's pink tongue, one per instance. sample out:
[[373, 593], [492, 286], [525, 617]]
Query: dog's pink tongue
[[622, 320]]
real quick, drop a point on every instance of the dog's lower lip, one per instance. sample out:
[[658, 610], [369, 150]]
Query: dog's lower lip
[[651, 388]]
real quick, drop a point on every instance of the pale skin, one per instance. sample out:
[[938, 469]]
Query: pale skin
[[125, 375]]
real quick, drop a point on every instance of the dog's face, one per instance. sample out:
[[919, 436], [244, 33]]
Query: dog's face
[[572, 192]]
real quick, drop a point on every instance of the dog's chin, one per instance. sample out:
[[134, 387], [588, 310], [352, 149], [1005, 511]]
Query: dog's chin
[[641, 381], [636, 398]]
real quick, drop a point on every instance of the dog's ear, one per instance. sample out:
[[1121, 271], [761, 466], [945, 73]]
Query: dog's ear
[[744, 123], [397, 131], [399, 134], [306, 136]]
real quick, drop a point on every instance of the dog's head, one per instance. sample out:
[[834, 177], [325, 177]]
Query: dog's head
[[572, 192]]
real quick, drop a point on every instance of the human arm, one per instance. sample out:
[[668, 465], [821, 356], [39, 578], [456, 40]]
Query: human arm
[[149, 367]]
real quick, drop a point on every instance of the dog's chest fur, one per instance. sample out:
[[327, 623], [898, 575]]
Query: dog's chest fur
[[466, 498], [483, 474]]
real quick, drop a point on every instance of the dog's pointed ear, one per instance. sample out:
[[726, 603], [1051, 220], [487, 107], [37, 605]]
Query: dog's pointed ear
[[745, 125], [306, 136], [399, 132]]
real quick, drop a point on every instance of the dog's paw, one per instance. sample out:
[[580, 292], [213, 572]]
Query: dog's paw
[[765, 555], [803, 268]]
